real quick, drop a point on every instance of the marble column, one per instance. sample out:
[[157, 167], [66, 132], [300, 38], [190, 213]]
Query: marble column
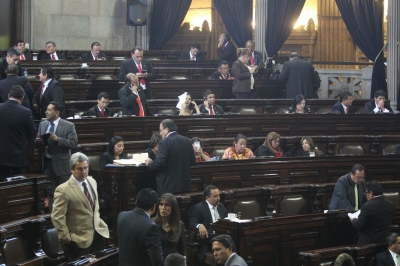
[[393, 52], [259, 27]]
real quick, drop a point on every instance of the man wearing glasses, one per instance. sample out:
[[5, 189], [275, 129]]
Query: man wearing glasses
[[391, 255], [349, 192], [174, 158], [375, 217]]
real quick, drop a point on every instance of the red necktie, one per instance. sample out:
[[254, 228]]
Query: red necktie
[[95, 58], [223, 48], [211, 111], [22, 57], [53, 57], [102, 113], [251, 59], [139, 103], [192, 58], [347, 109], [87, 194], [140, 71]]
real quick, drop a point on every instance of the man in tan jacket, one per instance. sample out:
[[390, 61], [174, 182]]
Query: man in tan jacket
[[76, 212]]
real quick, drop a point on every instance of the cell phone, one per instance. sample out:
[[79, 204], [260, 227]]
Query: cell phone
[[191, 106], [144, 71], [196, 144]]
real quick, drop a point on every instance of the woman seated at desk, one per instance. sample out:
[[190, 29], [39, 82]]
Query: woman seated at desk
[[271, 146], [152, 150], [308, 148], [115, 151], [188, 106], [238, 151], [201, 156], [172, 229], [298, 106]]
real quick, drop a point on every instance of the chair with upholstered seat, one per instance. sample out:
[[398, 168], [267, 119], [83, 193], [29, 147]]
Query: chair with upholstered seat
[[352, 149]]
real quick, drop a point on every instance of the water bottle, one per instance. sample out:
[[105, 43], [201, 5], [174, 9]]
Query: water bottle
[[26, 72]]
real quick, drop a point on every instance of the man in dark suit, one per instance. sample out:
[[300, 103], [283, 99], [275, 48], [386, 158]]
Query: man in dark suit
[[101, 109], [194, 54], [224, 251], [203, 214], [94, 54], [138, 236], [12, 58], [62, 138], [140, 67], [378, 105], [209, 107], [76, 215], [348, 188], [255, 57], [343, 106], [174, 158], [20, 44], [376, 216], [16, 129], [389, 257], [223, 72], [132, 98], [51, 52], [226, 50], [298, 75], [13, 79], [49, 91]]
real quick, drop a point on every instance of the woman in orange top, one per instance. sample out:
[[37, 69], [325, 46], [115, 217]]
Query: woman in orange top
[[239, 151]]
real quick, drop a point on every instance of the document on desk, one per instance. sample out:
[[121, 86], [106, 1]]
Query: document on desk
[[354, 215], [137, 159]]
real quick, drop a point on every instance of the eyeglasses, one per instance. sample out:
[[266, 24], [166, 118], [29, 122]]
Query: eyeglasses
[[161, 129], [366, 192], [276, 141]]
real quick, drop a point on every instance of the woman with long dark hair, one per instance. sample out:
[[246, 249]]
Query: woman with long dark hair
[[115, 151]]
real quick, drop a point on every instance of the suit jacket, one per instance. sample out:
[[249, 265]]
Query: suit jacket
[[242, 80], [138, 240], [4, 65], [172, 165], [128, 101], [236, 260], [73, 217], [228, 54], [88, 56], [201, 214], [53, 92], [374, 221], [384, 259], [16, 128], [337, 108], [129, 66], [61, 151], [343, 195], [217, 75], [94, 111], [186, 56], [28, 56], [46, 56], [370, 106], [258, 59], [11, 80], [299, 78], [218, 109]]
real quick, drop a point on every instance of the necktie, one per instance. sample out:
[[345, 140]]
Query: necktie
[[398, 259], [211, 111], [22, 57], [53, 57], [102, 113], [140, 71], [356, 197], [87, 194], [41, 92], [216, 214], [223, 48], [224, 76], [139, 103], [192, 58], [251, 60], [51, 127], [347, 109], [95, 58]]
